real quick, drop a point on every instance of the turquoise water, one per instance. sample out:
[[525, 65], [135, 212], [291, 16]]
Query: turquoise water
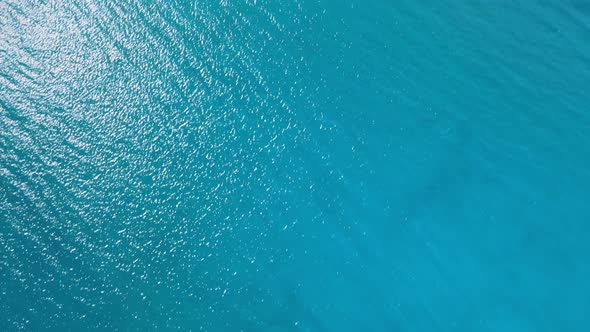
[[307, 165]]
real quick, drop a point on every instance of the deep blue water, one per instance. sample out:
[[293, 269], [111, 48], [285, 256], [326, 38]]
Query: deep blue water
[[299, 165]]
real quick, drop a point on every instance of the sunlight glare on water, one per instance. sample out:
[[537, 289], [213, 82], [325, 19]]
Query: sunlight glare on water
[[300, 165]]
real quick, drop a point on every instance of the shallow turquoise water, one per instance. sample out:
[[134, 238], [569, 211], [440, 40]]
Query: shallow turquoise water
[[299, 165]]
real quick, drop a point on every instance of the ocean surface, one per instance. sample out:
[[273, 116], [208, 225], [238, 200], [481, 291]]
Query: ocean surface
[[297, 165]]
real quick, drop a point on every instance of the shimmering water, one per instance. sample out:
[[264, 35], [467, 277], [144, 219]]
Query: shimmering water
[[306, 165]]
